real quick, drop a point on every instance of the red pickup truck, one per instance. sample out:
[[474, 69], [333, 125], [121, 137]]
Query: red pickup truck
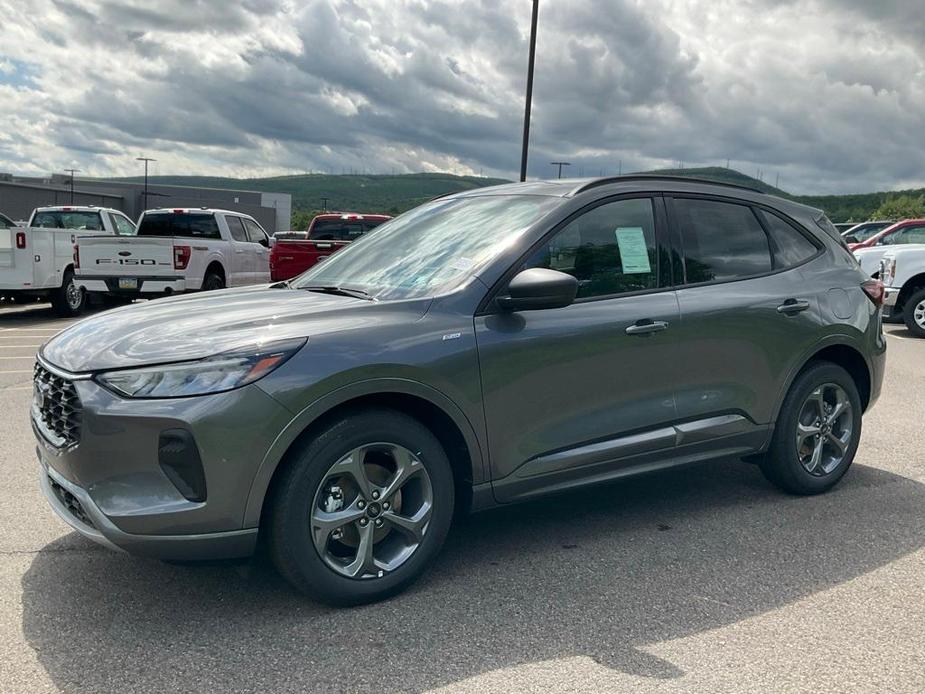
[[293, 252]]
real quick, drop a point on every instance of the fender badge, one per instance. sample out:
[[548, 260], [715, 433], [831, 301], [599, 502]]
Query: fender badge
[[452, 336]]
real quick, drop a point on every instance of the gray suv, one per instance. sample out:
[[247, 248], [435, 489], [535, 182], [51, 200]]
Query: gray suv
[[485, 348]]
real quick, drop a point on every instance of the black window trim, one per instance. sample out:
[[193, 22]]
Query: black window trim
[[487, 306], [677, 241]]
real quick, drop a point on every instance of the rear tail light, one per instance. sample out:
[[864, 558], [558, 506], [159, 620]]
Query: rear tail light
[[874, 290], [20, 239], [181, 256], [76, 257]]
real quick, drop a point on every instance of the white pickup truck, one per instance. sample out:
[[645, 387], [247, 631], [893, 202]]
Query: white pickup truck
[[175, 251], [902, 272], [36, 261]]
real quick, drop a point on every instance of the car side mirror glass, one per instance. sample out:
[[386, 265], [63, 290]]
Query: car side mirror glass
[[538, 288], [851, 239], [264, 241]]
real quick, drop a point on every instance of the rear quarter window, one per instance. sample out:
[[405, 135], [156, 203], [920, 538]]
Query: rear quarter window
[[789, 247], [183, 225]]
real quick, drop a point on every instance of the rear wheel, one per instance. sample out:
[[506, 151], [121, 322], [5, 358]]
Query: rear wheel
[[914, 313], [212, 281], [817, 433], [70, 300], [362, 509]]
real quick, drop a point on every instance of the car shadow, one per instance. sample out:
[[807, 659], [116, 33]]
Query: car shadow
[[602, 573]]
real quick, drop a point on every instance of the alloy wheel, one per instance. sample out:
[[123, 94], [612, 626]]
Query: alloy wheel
[[371, 511], [824, 429]]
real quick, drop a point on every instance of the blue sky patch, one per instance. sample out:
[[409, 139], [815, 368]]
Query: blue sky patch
[[17, 73]]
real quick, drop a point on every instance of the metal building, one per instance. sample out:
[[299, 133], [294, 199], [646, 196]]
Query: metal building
[[20, 195]]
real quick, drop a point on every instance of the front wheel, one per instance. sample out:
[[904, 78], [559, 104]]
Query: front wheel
[[914, 313], [362, 509], [70, 300], [817, 433]]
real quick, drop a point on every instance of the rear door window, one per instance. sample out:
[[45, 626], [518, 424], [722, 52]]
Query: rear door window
[[180, 224], [907, 235], [722, 241], [236, 227], [788, 246]]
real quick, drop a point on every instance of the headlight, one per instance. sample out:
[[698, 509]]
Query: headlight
[[222, 372]]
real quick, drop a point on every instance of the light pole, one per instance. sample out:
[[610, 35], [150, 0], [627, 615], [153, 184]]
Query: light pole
[[529, 99], [145, 160], [324, 204], [72, 172], [560, 164]]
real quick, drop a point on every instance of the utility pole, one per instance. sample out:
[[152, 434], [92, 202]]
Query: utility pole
[[620, 168], [145, 160], [529, 98], [324, 204], [72, 172], [560, 164]]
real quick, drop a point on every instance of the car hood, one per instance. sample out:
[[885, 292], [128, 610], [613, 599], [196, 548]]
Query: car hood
[[201, 325]]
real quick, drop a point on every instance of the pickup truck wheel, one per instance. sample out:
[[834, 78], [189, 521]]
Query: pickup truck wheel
[[817, 431], [914, 313], [70, 300], [213, 281], [362, 508]]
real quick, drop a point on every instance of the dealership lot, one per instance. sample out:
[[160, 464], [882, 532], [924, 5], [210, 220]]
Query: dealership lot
[[696, 580]]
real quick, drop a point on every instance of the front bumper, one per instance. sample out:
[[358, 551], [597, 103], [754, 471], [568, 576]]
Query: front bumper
[[112, 487], [76, 508], [146, 286]]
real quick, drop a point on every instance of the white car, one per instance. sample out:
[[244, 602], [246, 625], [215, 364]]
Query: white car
[[903, 275], [36, 261], [176, 251]]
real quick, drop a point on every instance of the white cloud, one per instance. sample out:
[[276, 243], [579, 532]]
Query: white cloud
[[826, 94]]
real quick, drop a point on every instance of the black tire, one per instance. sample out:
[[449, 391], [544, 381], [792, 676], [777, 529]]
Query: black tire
[[291, 546], [65, 300], [909, 313], [213, 281], [781, 465]]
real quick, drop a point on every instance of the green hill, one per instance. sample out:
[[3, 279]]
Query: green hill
[[360, 193], [397, 193]]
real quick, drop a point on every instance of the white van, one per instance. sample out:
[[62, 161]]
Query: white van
[[36, 261]]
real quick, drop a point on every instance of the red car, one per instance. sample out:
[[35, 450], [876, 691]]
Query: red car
[[895, 233], [293, 252]]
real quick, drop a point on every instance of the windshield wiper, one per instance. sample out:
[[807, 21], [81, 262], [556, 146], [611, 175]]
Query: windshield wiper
[[341, 291]]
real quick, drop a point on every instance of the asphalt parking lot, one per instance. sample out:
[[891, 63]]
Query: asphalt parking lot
[[699, 580]]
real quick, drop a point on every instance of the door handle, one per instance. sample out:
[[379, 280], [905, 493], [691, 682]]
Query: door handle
[[791, 306], [647, 326]]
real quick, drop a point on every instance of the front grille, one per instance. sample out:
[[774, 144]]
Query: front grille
[[56, 408], [71, 502]]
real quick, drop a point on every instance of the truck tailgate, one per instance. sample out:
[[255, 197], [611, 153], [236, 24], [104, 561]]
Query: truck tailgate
[[291, 257], [131, 256]]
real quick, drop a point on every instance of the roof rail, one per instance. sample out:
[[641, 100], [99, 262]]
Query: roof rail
[[657, 177]]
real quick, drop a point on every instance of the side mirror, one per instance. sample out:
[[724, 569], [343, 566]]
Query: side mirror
[[264, 241], [539, 288], [851, 239]]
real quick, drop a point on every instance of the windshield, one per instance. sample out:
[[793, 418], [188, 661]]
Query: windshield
[[864, 232], [89, 221], [429, 249]]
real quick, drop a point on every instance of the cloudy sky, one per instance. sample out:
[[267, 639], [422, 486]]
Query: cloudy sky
[[829, 95]]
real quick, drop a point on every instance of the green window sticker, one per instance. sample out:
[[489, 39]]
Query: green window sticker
[[634, 254]]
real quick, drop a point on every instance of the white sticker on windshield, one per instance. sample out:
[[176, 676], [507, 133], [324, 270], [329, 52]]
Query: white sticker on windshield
[[461, 263], [634, 254]]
